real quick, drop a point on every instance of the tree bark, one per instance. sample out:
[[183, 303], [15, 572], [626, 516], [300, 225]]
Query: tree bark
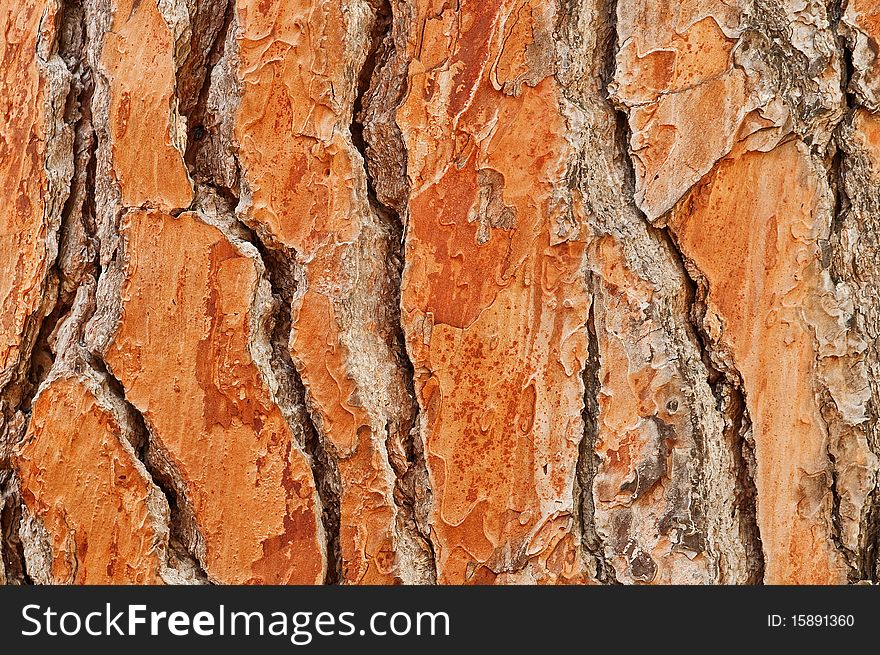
[[411, 291]]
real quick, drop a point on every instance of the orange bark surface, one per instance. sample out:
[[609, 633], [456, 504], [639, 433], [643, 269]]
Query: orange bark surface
[[81, 479], [24, 193], [148, 167], [494, 302]]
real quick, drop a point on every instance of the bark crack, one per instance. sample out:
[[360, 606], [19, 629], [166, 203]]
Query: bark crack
[[283, 275], [185, 541], [726, 384], [844, 267], [16, 398], [184, 536], [853, 572], [376, 136], [588, 460], [13, 567], [857, 566], [216, 198], [724, 380], [727, 388]]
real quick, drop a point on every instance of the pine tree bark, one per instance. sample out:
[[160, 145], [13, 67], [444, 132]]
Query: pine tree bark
[[411, 291]]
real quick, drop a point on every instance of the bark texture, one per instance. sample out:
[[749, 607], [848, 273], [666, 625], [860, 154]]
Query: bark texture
[[418, 291]]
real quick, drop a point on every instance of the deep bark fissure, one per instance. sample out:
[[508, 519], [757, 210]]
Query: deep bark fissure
[[375, 71], [728, 390], [192, 92], [179, 542], [846, 54], [588, 459], [67, 275], [725, 383], [209, 26], [856, 565], [865, 564], [280, 267], [42, 354], [180, 545], [727, 387], [17, 397], [377, 53], [283, 273], [13, 566], [853, 573], [838, 203], [78, 229]]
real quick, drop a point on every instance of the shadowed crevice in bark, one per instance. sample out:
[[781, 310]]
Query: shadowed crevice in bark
[[605, 178], [13, 566], [209, 25], [727, 387], [216, 175], [204, 136], [862, 564], [284, 278], [854, 198], [853, 572], [38, 356], [588, 460], [77, 269], [374, 132], [729, 392], [859, 565], [185, 538], [77, 258], [725, 383]]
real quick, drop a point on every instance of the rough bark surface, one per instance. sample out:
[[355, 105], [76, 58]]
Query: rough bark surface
[[417, 291]]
